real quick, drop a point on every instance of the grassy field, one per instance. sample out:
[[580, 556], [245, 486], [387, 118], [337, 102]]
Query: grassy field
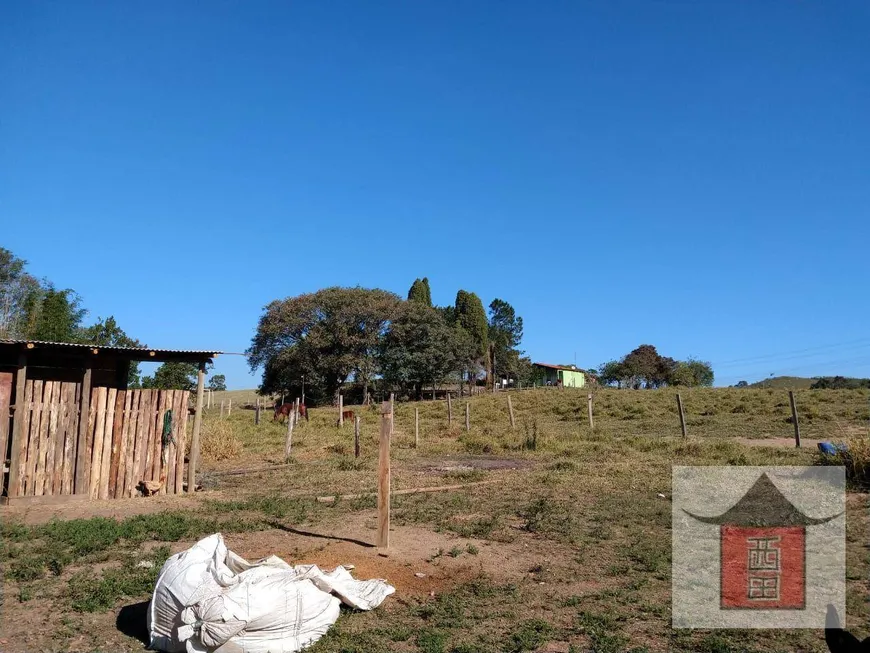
[[566, 549]]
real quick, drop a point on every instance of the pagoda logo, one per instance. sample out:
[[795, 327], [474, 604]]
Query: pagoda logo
[[763, 550], [777, 555]]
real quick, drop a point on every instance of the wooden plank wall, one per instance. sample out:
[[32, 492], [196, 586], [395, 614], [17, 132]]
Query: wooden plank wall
[[124, 440], [5, 417]]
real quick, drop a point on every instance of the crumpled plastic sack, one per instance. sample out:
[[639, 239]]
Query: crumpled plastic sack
[[210, 600]]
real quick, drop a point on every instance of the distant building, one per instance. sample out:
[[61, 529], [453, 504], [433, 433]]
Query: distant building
[[568, 376]]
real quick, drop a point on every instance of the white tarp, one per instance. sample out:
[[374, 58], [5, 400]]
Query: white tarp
[[210, 600]]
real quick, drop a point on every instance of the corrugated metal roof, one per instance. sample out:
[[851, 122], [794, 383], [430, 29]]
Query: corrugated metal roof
[[146, 350], [559, 367]]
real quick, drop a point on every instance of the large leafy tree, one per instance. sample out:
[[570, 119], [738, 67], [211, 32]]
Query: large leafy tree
[[328, 336], [420, 292], [20, 294], [420, 348], [107, 333], [217, 383], [644, 367], [505, 334], [59, 316], [173, 376], [692, 373]]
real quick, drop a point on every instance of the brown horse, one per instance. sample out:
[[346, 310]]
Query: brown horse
[[284, 410], [346, 415]]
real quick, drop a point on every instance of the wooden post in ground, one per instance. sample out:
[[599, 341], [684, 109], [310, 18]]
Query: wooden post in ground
[[197, 425], [15, 480], [467, 415], [340, 410], [682, 415], [589, 410], [288, 443], [230, 408], [794, 418], [356, 437], [511, 411], [257, 414], [392, 410], [416, 427], [384, 479], [449, 411], [82, 480]]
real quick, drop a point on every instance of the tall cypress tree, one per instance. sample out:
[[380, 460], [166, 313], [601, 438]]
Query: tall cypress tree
[[420, 292], [472, 318]]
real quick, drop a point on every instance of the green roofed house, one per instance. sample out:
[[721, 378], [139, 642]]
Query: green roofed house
[[567, 376]]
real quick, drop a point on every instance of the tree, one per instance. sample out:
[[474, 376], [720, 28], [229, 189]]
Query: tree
[[419, 349], [505, 334], [692, 374], [612, 372], [217, 383], [107, 333], [326, 336], [59, 316], [741, 384], [472, 318], [642, 366], [420, 292], [19, 296], [173, 376]]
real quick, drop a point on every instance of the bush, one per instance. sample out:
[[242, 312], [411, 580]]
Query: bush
[[856, 460], [218, 442]]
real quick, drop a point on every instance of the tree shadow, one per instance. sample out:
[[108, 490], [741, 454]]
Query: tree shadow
[[132, 621], [296, 531]]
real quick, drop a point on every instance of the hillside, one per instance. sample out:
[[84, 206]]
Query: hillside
[[803, 383], [785, 382]]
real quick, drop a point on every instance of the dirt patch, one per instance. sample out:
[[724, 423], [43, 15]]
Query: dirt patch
[[471, 463], [444, 560], [778, 442], [114, 508]]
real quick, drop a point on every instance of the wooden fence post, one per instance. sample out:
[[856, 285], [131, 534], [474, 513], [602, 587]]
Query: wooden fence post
[[416, 427], [356, 437], [682, 415], [467, 415], [794, 418], [288, 444], [257, 414], [449, 411], [197, 425], [230, 408], [296, 408], [340, 410], [589, 410], [392, 410], [19, 435], [511, 411], [384, 478]]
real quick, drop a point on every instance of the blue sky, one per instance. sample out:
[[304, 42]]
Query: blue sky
[[693, 175]]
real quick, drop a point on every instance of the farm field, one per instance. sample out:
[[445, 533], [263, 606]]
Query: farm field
[[558, 541]]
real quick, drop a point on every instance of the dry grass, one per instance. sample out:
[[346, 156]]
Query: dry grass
[[573, 546], [218, 442]]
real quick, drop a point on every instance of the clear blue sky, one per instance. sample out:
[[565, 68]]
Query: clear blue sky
[[693, 175]]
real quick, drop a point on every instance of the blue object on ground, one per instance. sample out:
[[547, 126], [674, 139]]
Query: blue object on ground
[[832, 449]]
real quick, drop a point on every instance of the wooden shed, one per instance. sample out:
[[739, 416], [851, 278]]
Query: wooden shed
[[71, 429]]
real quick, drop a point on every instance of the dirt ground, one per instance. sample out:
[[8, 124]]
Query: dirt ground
[[417, 565]]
